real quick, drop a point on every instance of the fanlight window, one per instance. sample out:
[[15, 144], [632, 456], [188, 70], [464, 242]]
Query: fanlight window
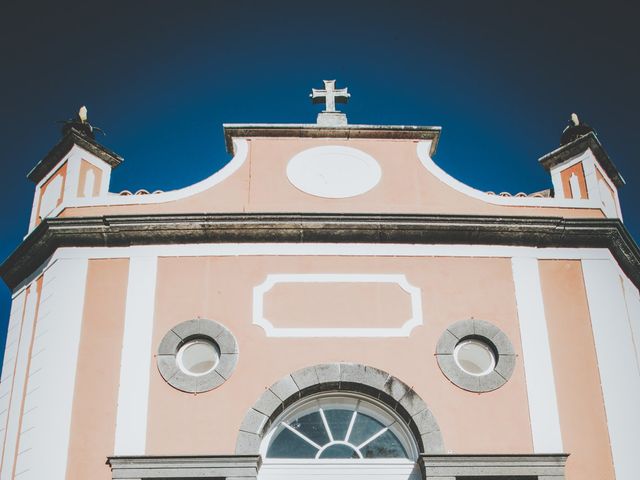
[[339, 428]]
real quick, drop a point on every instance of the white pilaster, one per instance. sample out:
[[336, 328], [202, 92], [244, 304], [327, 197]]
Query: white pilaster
[[558, 187], [48, 404], [9, 364], [617, 362], [17, 390], [632, 298], [541, 390], [135, 364], [73, 177]]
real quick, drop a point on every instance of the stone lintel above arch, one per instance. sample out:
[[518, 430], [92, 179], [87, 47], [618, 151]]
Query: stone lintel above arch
[[346, 378]]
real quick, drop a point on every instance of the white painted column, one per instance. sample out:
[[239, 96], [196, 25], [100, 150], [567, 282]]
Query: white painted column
[[43, 439], [9, 365], [538, 367], [632, 298], [133, 393], [48, 404], [617, 362], [22, 359], [73, 177]]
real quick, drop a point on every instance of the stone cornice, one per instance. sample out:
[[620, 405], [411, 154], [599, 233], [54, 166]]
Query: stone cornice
[[122, 231], [185, 466], [313, 130], [578, 146], [73, 137], [492, 465]]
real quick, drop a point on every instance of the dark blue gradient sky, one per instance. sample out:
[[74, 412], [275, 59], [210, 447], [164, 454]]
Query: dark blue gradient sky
[[160, 78]]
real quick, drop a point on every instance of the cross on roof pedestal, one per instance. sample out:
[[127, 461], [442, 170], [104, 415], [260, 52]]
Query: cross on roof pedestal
[[330, 96]]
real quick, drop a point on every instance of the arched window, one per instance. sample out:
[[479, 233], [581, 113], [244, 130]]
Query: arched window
[[354, 422], [339, 427]]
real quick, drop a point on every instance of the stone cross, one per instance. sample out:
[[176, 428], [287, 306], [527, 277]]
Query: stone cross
[[329, 95]]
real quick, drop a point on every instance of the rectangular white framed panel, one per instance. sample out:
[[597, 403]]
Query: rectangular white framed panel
[[400, 280]]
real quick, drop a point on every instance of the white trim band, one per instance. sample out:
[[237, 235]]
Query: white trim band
[[423, 150], [320, 249]]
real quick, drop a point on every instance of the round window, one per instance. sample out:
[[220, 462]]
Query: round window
[[475, 357], [198, 356]]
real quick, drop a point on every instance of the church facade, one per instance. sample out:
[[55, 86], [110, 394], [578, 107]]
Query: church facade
[[330, 304]]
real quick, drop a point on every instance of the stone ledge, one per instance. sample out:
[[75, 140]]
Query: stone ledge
[[578, 146], [452, 466], [64, 146], [171, 229], [185, 467], [313, 130]]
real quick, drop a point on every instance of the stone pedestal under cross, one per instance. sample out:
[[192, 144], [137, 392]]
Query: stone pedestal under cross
[[330, 96]]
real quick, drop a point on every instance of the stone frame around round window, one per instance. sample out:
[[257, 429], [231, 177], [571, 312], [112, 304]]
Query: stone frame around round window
[[184, 332], [505, 357]]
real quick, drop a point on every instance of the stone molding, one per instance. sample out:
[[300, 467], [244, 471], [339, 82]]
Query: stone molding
[[230, 467], [191, 329], [337, 378], [64, 146], [313, 130], [169, 229], [575, 148], [246, 467], [496, 338], [450, 467]]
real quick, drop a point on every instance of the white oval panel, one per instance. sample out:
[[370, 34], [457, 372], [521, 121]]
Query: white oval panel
[[333, 172]]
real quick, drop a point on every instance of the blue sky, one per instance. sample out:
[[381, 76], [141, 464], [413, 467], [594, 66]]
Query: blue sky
[[160, 78]]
